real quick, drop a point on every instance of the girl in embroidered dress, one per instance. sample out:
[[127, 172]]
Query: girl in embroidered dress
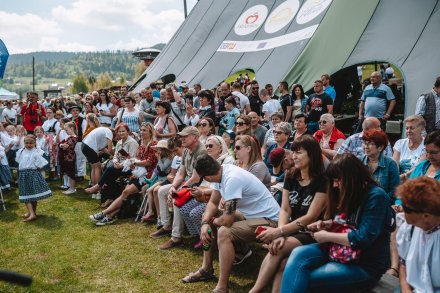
[[42, 144], [5, 173], [67, 155], [60, 136], [32, 186]]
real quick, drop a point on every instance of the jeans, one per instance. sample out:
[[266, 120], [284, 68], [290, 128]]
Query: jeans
[[308, 269]]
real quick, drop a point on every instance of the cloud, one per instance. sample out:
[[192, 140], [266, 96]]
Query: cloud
[[55, 44]]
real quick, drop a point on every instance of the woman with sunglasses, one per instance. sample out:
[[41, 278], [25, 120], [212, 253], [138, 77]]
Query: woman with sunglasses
[[282, 132], [364, 252], [418, 238], [243, 125], [146, 157], [88, 108], [105, 110], [206, 128], [248, 155], [193, 210], [58, 105], [328, 136], [269, 138], [304, 201]]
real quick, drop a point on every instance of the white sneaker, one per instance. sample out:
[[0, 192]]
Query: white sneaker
[[98, 195], [93, 195], [69, 191]]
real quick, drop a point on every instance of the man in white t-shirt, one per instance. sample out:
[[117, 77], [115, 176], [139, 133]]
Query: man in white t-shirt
[[248, 204], [270, 106], [96, 143], [243, 103]]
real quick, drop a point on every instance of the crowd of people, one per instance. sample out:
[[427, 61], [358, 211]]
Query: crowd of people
[[239, 164]]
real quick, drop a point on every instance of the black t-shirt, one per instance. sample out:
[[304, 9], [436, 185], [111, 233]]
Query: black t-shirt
[[286, 101], [318, 105], [300, 197], [255, 104]]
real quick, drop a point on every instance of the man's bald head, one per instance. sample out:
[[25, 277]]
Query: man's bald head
[[370, 123]]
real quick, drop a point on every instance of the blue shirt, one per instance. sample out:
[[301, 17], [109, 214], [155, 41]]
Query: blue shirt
[[386, 173], [421, 169], [372, 234], [330, 90], [376, 100]]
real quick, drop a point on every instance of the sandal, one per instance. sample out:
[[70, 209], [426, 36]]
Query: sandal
[[216, 290], [199, 276]]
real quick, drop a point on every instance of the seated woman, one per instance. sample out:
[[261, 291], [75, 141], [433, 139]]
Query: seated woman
[[328, 136], [382, 167], [164, 123], [175, 146], [248, 155], [145, 158], [282, 132], [243, 125], [193, 210], [206, 128], [354, 199], [418, 238], [126, 148], [431, 166], [409, 151], [304, 201], [269, 138]]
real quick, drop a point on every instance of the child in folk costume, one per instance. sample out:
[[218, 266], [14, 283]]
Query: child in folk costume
[[60, 136], [32, 186], [5, 173], [67, 155], [42, 143]]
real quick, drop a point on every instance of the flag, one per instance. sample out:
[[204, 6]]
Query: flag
[[4, 55]]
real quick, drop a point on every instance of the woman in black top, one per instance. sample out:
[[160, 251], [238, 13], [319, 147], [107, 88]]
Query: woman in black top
[[304, 201]]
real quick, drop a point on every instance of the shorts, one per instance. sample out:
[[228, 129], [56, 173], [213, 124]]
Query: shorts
[[135, 182], [244, 231], [91, 156]]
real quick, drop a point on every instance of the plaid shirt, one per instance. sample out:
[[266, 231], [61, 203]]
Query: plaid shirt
[[354, 145]]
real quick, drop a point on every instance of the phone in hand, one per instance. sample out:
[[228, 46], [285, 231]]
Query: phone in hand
[[260, 229]]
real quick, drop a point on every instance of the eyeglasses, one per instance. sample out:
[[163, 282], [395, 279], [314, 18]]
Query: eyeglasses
[[237, 147], [240, 123], [323, 122], [277, 132], [432, 153], [202, 124], [255, 88], [209, 146], [408, 210]]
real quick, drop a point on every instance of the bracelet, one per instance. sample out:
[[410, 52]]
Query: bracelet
[[205, 223]]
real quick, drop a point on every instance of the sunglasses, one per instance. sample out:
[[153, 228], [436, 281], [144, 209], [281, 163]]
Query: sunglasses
[[255, 88], [202, 124], [408, 210], [240, 123], [209, 146], [432, 153], [237, 147], [323, 122], [102, 95]]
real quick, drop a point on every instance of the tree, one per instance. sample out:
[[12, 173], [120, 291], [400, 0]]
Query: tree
[[103, 81], [139, 69], [79, 84], [121, 80]]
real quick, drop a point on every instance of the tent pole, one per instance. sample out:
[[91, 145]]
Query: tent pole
[[185, 11]]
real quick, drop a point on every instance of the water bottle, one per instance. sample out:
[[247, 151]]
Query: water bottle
[[207, 246]]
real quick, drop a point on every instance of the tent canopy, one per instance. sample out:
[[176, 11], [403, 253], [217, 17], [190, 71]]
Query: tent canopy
[[6, 95], [298, 40]]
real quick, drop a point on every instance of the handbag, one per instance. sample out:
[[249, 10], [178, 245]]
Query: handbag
[[181, 197], [338, 252]]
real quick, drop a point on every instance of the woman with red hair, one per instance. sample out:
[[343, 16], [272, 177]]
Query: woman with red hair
[[383, 168], [418, 239]]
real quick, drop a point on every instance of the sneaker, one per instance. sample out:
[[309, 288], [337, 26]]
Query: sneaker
[[98, 195], [240, 259], [159, 223], [97, 217], [93, 195], [69, 191], [64, 187], [105, 221]]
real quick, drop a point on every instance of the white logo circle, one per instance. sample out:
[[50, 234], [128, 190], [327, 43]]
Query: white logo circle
[[250, 20], [311, 9], [281, 16]]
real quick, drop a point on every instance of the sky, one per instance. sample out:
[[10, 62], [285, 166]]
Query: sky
[[88, 25]]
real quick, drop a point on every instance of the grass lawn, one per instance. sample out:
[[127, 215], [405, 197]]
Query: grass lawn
[[65, 252]]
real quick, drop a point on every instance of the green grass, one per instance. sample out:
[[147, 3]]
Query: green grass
[[234, 76], [65, 252]]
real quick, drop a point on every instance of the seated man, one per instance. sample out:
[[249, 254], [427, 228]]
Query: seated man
[[241, 191]]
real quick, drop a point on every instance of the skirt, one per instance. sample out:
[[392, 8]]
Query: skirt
[[5, 177], [32, 186]]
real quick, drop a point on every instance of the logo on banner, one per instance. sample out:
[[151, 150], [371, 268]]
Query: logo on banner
[[281, 16], [311, 9], [250, 20]]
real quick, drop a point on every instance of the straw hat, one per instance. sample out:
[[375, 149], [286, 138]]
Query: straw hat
[[161, 144]]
